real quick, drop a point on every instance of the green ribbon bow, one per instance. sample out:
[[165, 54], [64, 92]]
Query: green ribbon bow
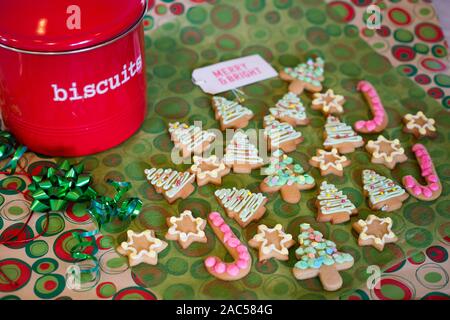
[[8, 147], [54, 188], [103, 209]]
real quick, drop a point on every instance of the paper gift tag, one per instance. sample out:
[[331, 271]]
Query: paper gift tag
[[233, 74]]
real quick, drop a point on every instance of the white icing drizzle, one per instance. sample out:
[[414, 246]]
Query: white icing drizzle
[[240, 150], [389, 235], [380, 188], [333, 200], [339, 132], [279, 132], [289, 106], [266, 246], [230, 111], [213, 161], [241, 201], [169, 180], [422, 128], [175, 227], [388, 157], [189, 136]]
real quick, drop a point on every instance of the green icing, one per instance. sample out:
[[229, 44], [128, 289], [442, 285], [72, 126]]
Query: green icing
[[283, 171], [315, 251]]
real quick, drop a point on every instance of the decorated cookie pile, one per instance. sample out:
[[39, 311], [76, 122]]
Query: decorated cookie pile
[[317, 256]]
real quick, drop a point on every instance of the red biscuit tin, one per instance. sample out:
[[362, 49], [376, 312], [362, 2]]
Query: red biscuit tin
[[72, 73]]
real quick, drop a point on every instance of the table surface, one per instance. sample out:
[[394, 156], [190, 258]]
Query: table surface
[[411, 41]]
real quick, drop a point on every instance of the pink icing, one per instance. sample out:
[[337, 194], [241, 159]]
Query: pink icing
[[427, 168], [232, 269], [359, 125], [210, 261], [230, 240], [233, 243], [409, 182], [225, 228], [220, 267], [434, 186], [241, 248], [377, 108], [242, 264], [427, 192]]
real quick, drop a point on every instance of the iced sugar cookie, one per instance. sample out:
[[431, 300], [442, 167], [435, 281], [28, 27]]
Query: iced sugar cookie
[[306, 76], [333, 206], [171, 183], [380, 120], [386, 152], [240, 266], [375, 232], [383, 193], [433, 188], [272, 243], [319, 257]]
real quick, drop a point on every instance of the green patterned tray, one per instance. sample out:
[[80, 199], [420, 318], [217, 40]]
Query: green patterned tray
[[284, 33]]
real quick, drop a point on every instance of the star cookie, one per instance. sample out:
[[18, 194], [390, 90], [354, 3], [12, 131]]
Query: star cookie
[[328, 103], [272, 243], [329, 162], [141, 247], [419, 125], [386, 152], [186, 229], [375, 231], [209, 170]]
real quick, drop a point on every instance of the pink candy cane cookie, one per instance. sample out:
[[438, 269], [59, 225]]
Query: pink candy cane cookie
[[380, 120], [433, 189], [241, 265]]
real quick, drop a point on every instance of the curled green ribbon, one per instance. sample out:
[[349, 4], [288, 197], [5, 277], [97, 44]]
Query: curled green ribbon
[[54, 188], [103, 209], [8, 148]]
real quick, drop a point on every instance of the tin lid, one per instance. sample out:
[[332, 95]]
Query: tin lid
[[65, 25]]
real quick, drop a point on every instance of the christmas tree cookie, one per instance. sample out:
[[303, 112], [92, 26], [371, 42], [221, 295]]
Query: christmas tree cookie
[[190, 139], [242, 205], [333, 206], [171, 183], [341, 136], [383, 193], [290, 109], [242, 155], [319, 257], [306, 76], [287, 177], [230, 113], [281, 135]]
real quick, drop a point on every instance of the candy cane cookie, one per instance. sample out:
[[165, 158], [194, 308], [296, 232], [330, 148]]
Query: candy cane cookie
[[380, 120], [242, 263], [433, 189]]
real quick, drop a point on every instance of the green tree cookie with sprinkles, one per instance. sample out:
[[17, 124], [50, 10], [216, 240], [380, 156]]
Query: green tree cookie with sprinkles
[[287, 177], [319, 257], [306, 76]]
